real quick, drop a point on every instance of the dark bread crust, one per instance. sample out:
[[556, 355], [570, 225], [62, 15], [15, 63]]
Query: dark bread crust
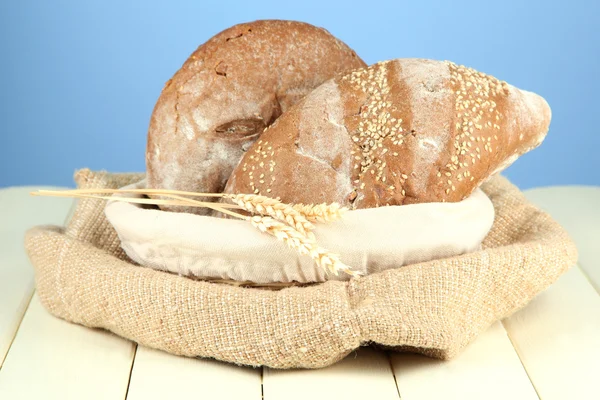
[[227, 92], [399, 132]]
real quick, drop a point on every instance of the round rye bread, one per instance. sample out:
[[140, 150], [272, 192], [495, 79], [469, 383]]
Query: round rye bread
[[398, 132], [227, 92]]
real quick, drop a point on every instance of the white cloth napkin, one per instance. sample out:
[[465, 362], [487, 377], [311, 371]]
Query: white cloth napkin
[[368, 240]]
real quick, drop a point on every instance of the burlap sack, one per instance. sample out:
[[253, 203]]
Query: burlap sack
[[368, 240], [435, 308]]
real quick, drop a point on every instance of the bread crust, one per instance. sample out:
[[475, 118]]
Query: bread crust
[[399, 132], [227, 92]]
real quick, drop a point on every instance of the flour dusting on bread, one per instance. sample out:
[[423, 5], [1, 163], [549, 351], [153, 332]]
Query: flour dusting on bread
[[227, 92]]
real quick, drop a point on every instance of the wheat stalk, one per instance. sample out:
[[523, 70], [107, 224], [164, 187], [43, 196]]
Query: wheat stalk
[[263, 205], [320, 212], [177, 200], [155, 202], [136, 191], [302, 244]]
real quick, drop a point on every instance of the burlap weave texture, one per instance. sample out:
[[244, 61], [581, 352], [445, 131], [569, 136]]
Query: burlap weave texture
[[435, 308]]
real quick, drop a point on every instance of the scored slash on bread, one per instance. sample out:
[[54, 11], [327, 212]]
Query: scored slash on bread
[[227, 92], [398, 132]]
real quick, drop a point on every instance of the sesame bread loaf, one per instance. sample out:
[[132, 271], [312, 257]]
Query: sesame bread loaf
[[398, 132], [227, 92]]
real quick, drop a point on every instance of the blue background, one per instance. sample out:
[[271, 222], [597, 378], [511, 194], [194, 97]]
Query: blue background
[[80, 79]]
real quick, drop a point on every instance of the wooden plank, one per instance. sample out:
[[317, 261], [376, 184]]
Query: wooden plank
[[557, 337], [488, 368], [158, 375], [19, 212], [577, 209], [365, 374], [53, 359]]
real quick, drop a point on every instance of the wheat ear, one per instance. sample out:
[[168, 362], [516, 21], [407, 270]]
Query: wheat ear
[[274, 208], [320, 212], [303, 245]]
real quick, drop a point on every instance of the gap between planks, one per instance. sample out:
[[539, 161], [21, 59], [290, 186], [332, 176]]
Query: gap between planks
[[262, 380], [131, 369], [389, 358], [591, 281], [16, 330], [512, 342]]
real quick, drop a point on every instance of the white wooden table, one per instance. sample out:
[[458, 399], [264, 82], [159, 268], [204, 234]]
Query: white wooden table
[[548, 350]]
